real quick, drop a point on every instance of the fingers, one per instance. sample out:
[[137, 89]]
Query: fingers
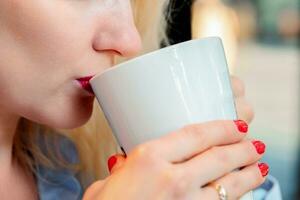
[[115, 162], [238, 87], [194, 139], [238, 183], [244, 110], [218, 161]]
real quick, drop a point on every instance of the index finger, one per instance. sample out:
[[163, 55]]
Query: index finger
[[191, 140]]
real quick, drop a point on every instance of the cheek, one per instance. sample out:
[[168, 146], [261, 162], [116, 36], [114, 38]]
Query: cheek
[[47, 31]]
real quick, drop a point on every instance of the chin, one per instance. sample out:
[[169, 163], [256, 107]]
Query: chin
[[71, 123], [71, 117]]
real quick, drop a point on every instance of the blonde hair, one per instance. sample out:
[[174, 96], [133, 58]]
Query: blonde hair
[[94, 140]]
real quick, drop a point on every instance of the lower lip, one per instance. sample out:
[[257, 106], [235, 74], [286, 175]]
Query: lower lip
[[85, 84]]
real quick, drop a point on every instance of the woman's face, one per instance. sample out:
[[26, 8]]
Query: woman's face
[[46, 45]]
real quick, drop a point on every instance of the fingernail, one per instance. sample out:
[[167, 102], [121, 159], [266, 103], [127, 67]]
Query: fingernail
[[111, 162], [241, 125], [259, 146], [264, 169]]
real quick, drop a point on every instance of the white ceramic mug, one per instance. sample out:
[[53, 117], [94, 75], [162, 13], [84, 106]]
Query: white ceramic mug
[[162, 91]]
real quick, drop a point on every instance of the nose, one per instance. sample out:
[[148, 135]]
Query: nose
[[118, 33]]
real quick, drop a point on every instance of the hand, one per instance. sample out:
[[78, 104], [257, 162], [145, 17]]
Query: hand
[[208, 152]]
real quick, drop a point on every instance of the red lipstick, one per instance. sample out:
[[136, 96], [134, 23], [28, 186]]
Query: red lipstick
[[85, 83]]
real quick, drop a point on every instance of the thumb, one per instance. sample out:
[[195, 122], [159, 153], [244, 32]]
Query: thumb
[[115, 162], [93, 190]]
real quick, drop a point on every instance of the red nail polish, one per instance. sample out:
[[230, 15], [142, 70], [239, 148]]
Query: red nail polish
[[111, 162], [259, 146], [241, 125], [264, 169]]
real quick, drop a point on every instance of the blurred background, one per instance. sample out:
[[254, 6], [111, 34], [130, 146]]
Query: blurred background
[[268, 62], [261, 44]]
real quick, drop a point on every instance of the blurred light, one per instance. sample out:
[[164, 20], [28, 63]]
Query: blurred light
[[212, 18]]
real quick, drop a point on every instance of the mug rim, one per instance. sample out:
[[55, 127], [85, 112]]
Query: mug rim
[[116, 67]]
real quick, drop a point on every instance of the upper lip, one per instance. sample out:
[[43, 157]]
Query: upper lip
[[86, 78], [85, 83]]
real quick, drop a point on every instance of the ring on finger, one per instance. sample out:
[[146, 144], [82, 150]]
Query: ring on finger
[[220, 190]]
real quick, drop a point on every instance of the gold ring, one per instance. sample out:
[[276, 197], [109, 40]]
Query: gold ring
[[221, 191]]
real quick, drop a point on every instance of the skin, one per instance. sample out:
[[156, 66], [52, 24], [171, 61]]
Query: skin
[[45, 46]]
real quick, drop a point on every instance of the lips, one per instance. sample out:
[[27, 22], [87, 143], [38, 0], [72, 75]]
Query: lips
[[85, 83]]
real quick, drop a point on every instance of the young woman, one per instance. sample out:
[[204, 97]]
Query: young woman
[[49, 50]]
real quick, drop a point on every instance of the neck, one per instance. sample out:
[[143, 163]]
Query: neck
[[8, 126]]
